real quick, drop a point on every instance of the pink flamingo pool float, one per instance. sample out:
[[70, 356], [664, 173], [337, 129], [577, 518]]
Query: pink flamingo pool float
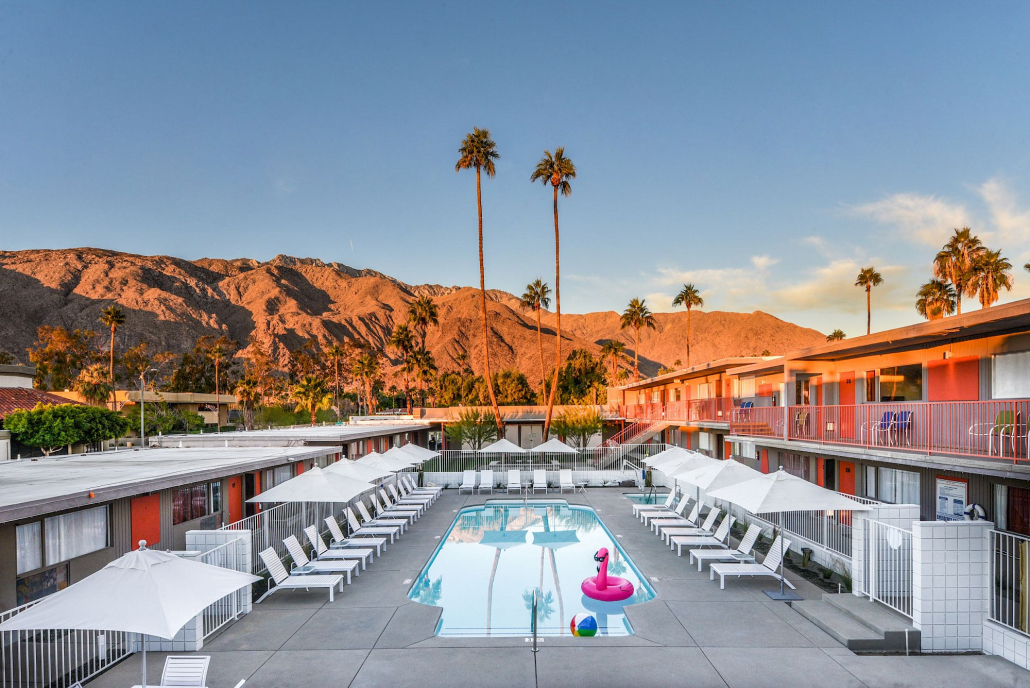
[[604, 587]]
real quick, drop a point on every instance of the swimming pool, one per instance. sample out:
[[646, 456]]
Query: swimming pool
[[649, 498], [485, 570]]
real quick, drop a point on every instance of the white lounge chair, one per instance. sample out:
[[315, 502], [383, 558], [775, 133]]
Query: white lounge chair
[[432, 490], [358, 530], [185, 670], [368, 520], [565, 480], [304, 566], [409, 513], [690, 521], [341, 541], [685, 530], [514, 481], [646, 515], [323, 551], [743, 553], [281, 580], [767, 568], [539, 481], [409, 500], [670, 499], [400, 503], [716, 540], [486, 480], [468, 481]]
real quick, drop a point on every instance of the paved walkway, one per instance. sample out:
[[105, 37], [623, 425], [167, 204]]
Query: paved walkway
[[691, 634]]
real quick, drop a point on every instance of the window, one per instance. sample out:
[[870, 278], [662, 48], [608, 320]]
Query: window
[[1010, 375], [704, 391], [897, 487], [870, 482], [30, 546], [747, 388], [75, 534], [743, 449], [679, 394], [216, 496], [281, 474], [189, 503], [799, 466], [1018, 512], [901, 383], [870, 386]]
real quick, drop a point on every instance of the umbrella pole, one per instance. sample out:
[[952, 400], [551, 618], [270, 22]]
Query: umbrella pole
[[143, 642], [781, 594]]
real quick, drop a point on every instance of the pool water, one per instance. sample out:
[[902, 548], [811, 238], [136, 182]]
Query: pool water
[[651, 498], [485, 570]]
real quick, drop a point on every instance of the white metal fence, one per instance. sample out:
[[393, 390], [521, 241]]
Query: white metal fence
[[888, 576], [599, 460], [1010, 573], [269, 527], [227, 609]]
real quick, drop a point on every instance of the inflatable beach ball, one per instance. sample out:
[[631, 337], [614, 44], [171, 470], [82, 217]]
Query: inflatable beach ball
[[584, 625]]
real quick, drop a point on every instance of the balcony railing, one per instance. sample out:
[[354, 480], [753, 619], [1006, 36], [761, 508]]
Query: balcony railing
[[717, 410]]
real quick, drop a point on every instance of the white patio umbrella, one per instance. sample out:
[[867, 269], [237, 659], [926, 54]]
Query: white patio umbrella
[[357, 471], [389, 463], [666, 455], [779, 492], [315, 485], [716, 475], [502, 446], [400, 454], [553, 446], [420, 452], [145, 591]]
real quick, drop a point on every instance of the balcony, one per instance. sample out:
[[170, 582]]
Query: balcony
[[717, 410], [980, 429]]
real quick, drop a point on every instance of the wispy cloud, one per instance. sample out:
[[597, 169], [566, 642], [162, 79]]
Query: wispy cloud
[[924, 219], [1010, 223]]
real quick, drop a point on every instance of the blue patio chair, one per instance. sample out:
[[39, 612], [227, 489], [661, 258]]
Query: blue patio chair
[[903, 427], [743, 412], [879, 428]]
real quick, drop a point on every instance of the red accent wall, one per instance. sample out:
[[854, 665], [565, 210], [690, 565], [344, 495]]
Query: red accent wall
[[846, 477], [235, 495], [953, 379], [820, 471], [847, 389], [300, 467], [146, 519], [765, 461], [765, 390]]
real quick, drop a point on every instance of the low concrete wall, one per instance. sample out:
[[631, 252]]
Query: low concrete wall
[[1005, 642]]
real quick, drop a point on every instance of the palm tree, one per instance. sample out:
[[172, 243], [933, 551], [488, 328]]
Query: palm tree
[[336, 353], [367, 369], [637, 315], [248, 394], [836, 336], [536, 298], [868, 278], [216, 353], [689, 296], [424, 365], [954, 262], [936, 299], [462, 359], [94, 385], [555, 170], [611, 353], [478, 151], [422, 313], [112, 317], [402, 341], [991, 273], [311, 395]]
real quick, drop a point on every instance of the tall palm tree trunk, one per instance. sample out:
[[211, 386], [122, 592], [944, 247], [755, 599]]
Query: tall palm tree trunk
[[540, 346], [958, 297], [557, 315], [407, 393], [688, 336], [482, 297], [218, 408], [636, 354], [336, 371], [868, 309], [114, 397]]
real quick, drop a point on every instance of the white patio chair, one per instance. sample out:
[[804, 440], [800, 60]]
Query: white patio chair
[[540, 481], [401, 503], [281, 580], [666, 505], [303, 566], [486, 480], [368, 520], [657, 524], [185, 670], [565, 480], [341, 541], [409, 499], [323, 551], [432, 490], [357, 530], [468, 481], [716, 540], [514, 481], [646, 515], [410, 513], [767, 568], [743, 553]]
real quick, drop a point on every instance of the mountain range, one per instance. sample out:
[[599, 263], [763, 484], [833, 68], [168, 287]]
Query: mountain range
[[283, 302]]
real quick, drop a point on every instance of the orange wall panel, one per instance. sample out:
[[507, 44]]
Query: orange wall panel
[[235, 496], [953, 379], [146, 519]]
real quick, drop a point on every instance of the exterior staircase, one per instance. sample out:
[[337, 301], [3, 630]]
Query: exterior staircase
[[617, 446], [861, 625]]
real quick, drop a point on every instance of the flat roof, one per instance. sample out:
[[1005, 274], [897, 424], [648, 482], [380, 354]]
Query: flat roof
[[34, 487], [717, 366], [288, 437]]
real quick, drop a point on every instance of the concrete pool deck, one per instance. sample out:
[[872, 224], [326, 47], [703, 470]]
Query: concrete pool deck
[[691, 634]]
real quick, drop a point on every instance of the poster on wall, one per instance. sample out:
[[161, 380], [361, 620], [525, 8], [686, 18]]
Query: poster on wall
[[951, 499]]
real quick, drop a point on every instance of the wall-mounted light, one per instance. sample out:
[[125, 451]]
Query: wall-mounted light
[[830, 427], [947, 355]]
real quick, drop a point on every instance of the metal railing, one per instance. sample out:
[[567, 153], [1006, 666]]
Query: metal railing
[[759, 421], [227, 609], [1010, 579], [830, 530], [715, 410], [888, 578]]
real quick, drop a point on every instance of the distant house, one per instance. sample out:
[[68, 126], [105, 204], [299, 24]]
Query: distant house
[[16, 393]]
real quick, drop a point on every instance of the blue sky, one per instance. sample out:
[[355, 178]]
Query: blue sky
[[764, 151]]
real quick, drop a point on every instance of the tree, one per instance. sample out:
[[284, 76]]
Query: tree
[[555, 170], [60, 355], [113, 318], [94, 384], [581, 379], [936, 299], [578, 424], [637, 315], [159, 418], [402, 341], [513, 388], [689, 297], [612, 353], [217, 353], [6, 358], [248, 396], [335, 353], [368, 370], [464, 370], [424, 365], [311, 395], [536, 298], [478, 151], [868, 278], [196, 371], [991, 273], [422, 313], [51, 427], [473, 428], [954, 262], [836, 336]]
